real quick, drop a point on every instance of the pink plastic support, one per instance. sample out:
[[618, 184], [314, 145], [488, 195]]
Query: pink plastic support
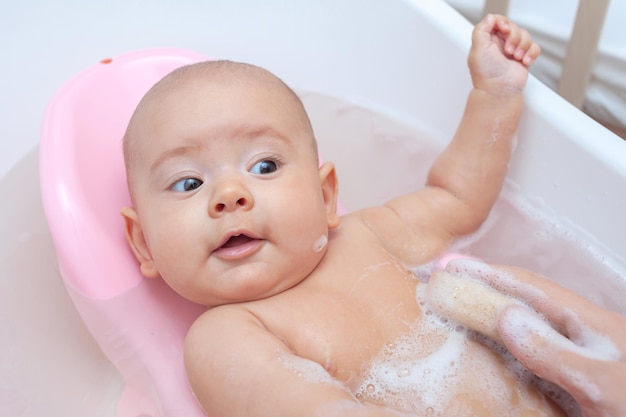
[[443, 260], [140, 324]]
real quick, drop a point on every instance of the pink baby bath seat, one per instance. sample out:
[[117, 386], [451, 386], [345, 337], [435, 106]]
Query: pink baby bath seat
[[139, 324]]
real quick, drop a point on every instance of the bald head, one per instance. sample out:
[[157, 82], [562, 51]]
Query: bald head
[[221, 75]]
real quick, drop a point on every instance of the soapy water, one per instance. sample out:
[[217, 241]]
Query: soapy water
[[423, 370], [402, 377], [525, 233], [519, 231], [376, 150]]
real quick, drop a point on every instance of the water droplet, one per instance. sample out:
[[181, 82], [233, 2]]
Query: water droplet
[[370, 388], [403, 373], [430, 411]]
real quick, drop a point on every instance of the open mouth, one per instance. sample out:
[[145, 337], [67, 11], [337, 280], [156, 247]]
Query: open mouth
[[238, 246], [238, 240]]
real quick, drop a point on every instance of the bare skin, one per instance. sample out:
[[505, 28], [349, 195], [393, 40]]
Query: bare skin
[[232, 211]]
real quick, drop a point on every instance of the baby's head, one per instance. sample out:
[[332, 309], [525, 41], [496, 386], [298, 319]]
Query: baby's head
[[229, 203]]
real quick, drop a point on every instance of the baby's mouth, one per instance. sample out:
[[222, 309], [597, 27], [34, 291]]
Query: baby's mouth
[[238, 240], [238, 246]]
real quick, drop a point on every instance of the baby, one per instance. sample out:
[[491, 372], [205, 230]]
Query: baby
[[232, 210]]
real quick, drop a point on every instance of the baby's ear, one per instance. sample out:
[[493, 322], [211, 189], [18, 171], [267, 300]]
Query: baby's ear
[[137, 242], [330, 188]]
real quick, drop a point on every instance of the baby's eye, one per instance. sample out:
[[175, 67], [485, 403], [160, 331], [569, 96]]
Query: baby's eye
[[266, 166], [186, 184]]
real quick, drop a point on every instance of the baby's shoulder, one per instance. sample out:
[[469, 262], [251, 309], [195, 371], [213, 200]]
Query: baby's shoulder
[[220, 320], [411, 240], [215, 331]]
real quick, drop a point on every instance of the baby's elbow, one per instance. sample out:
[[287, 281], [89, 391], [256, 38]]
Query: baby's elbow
[[469, 218]]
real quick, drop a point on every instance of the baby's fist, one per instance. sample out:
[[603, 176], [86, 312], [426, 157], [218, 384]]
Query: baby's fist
[[501, 53]]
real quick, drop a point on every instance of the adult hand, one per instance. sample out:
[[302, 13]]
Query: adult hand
[[586, 356]]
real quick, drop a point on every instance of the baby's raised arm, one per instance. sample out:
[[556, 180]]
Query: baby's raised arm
[[472, 168], [467, 177]]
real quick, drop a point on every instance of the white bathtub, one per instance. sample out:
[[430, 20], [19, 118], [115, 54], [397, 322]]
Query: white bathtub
[[404, 58]]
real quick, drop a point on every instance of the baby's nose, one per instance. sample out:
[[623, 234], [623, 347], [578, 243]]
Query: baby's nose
[[230, 196]]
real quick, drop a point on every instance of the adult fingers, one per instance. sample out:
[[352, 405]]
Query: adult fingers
[[563, 307], [588, 375]]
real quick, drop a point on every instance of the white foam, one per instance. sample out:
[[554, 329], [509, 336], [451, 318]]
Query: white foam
[[502, 281], [424, 370], [320, 243], [309, 370], [406, 379]]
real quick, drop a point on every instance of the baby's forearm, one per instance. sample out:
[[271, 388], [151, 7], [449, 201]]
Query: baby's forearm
[[473, 166]]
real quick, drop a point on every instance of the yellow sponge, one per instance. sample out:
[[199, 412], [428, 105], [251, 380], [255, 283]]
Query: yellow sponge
[[467, 302]]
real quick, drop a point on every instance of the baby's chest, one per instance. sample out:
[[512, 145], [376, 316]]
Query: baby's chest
[[342, 327]]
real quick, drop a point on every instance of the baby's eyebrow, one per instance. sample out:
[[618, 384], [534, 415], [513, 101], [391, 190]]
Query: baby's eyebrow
[[172, 153], [261, 131]]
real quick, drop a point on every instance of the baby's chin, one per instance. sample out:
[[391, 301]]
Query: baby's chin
[[248, 284]]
